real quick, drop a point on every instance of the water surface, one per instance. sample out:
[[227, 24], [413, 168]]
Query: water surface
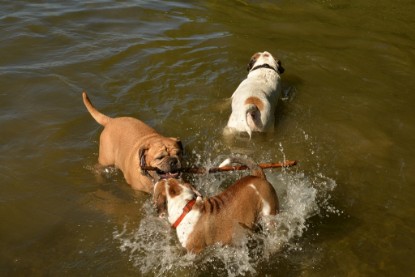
[[347, 115]]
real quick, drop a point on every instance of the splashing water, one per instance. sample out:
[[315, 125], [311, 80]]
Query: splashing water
[[153, 246]]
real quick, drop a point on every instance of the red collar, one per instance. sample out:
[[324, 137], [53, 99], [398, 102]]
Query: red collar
[[186, 210]]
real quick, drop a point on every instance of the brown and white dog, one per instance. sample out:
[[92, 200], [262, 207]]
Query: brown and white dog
[[201, 222], [254, 101], [128, 144]]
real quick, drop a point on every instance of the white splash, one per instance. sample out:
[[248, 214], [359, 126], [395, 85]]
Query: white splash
[[153, 246]]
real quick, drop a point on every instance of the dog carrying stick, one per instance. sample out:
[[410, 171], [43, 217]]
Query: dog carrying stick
[[202, 170]]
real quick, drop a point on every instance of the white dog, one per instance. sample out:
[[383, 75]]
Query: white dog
[[254, 101]]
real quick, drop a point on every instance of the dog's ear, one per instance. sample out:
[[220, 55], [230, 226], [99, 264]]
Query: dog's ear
[[250, 65], [180, 144], [174, 188], [142, 156], [160, 199], [142, 160], [252, 61], [280, 69]]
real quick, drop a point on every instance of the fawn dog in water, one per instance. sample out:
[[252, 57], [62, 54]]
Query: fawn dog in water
[[128, 144]]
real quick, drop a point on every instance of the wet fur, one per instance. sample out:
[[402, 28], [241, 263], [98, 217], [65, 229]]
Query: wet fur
[[219, 218], [254, 101], [126, 143]]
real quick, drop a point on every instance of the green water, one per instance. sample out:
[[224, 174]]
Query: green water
[[347, 116]]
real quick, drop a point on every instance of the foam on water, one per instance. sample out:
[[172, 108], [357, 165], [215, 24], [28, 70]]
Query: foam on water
[[153, 246]]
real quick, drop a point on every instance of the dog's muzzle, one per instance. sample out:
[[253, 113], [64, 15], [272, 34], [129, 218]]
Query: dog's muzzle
[[166, 175], [173, 169]]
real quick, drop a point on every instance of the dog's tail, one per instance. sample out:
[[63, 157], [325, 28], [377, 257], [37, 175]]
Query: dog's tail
[[99, 117], [252, 118], [256, 170], [250, 111]]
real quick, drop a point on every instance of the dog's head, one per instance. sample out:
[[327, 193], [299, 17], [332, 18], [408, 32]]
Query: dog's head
[[265, 59], [172, 194], [165, 154]]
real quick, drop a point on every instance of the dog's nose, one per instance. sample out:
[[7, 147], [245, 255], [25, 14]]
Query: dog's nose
[[173, 163]]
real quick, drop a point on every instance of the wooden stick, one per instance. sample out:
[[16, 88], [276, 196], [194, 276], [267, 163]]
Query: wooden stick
[[202, 170]]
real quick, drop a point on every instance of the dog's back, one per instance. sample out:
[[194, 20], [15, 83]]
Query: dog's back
[[254, 101], [262, 187], [239, 206]]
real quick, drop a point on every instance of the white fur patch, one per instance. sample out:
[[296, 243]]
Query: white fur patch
[[266, 208], [175, 207], [187, 225]]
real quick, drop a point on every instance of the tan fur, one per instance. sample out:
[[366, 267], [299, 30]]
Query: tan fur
[[125, 139], [223, 216], [255, 101]]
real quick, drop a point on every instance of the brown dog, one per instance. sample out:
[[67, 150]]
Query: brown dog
[[203, 222], [129, 144]]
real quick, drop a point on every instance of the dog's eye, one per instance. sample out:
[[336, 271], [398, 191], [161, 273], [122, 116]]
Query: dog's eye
[[159, 158]]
